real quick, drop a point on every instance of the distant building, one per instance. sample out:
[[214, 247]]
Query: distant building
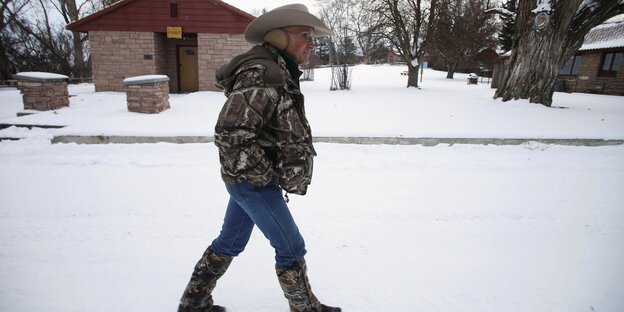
[[485, 61], [597, 66], [184, 39], [393, 58]]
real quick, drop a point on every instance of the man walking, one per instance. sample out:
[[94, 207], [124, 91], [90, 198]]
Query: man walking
[[265, 146]]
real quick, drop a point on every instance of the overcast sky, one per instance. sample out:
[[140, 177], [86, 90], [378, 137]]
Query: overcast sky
[[255, 6]]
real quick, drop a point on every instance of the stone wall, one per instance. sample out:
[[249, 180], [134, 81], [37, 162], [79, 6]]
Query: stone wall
[[215, 50], [117, 55]]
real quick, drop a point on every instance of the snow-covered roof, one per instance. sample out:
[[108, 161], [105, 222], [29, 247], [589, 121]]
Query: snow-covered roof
[[605, 36]]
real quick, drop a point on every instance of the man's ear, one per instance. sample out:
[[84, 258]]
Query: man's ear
[[277, 38]]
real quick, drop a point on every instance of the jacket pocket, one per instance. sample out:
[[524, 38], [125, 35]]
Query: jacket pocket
[[294, 168]]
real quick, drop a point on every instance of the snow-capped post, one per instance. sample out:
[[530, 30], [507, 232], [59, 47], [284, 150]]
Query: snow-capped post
[[473, 79], [548, 32], [43, 91], [147, 94]]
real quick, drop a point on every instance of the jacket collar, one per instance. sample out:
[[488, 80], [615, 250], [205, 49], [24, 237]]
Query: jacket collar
[[289, 68]]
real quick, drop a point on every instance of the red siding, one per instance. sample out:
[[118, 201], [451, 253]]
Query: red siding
[[195, 16]]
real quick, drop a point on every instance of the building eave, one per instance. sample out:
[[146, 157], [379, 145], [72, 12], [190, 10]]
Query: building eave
[[75, 26]]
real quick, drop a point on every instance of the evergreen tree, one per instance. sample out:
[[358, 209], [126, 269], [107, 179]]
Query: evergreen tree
[[321, 49], [507, 34]]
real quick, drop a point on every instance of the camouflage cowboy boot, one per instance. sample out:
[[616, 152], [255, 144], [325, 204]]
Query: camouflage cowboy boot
[[296, 287], [198, 294]]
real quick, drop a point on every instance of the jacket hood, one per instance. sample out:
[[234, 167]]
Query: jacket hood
[[260, 57]]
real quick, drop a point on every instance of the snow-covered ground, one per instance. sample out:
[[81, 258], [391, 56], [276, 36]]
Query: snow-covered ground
[[378, 105], [388, 228], [528, 228]]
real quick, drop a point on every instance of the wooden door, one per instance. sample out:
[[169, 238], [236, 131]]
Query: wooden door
[[188, 71]]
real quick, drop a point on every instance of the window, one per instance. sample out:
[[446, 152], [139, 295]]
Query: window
[[571, 67], [173, 9], [610, 64]]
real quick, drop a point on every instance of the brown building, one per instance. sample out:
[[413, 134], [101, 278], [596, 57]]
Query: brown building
[[597, 67], [183, 39]]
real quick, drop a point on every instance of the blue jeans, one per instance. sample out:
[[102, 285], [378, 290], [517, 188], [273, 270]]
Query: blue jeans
[[265, 207]]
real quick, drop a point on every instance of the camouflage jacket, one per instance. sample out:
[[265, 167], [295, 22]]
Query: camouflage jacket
[[262, 133]]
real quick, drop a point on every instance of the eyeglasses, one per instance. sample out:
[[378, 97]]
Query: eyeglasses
[[307, 37]]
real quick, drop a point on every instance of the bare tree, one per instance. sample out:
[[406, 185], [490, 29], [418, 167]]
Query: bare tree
[[71, 13], [548, 32], [403, 21], [7, 39], [337, 15], [39, 42], [460, 30], [32, 40], [366, 28]]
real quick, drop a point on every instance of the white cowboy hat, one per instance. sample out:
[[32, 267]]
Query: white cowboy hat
[[284, 16]]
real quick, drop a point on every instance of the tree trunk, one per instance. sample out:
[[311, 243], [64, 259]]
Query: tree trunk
[[5, 71], [71, 13], [450, 70], [540, 49], [412, 76], [531, 77], [78, 52]]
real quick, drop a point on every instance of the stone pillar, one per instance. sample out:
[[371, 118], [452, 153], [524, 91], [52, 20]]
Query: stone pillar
[[43, 91], [147, 94]]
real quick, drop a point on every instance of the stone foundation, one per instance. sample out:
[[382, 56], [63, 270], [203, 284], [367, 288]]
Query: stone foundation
[[43, 91], [147, 94]]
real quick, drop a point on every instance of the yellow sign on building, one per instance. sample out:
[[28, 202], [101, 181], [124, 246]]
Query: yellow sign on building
[[174, 32]]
